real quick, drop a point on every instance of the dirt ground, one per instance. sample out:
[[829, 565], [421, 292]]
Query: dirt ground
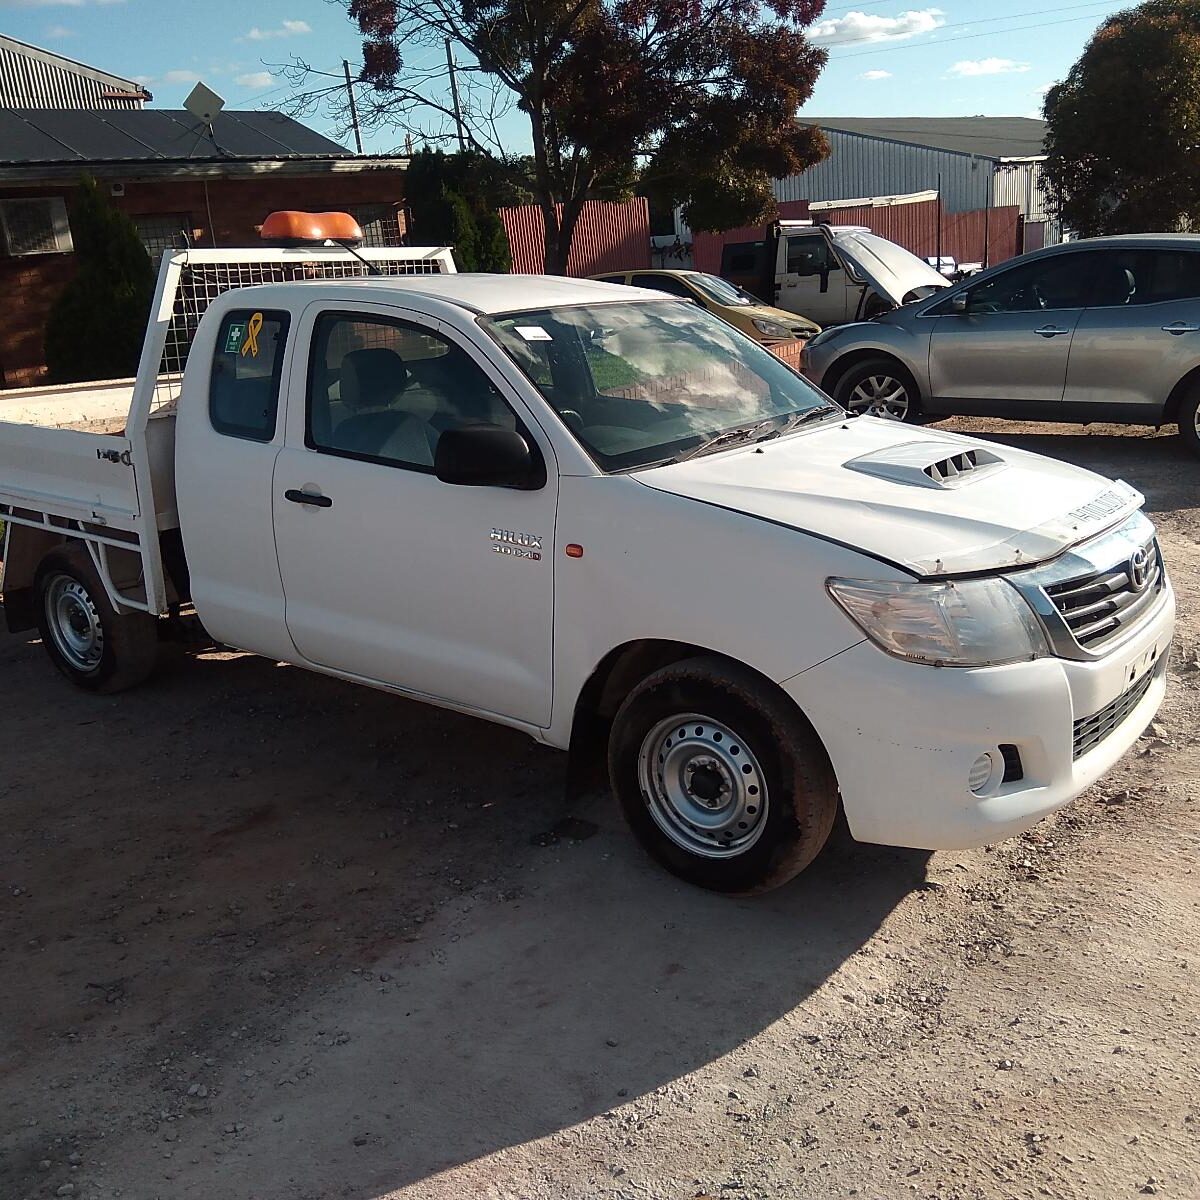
[[266, 935]]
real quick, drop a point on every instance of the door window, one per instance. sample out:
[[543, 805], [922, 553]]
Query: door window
[[1048, 283], [664, 283], [810, 255], [386, 390], [243, 393], [1131, 277]]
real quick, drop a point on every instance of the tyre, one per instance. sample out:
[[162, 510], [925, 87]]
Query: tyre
[[1189, 420], [95, 647], [881, 387], [721, 779]]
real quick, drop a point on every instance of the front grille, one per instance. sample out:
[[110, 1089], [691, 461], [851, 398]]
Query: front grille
[[1099, 605], [1091, 731]]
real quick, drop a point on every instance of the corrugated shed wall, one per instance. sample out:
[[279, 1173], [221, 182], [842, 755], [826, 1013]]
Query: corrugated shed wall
[[1020, 184], [608, 237], [28, 81], [869, 166]]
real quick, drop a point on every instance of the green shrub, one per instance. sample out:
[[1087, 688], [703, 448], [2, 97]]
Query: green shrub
[[96, 326]]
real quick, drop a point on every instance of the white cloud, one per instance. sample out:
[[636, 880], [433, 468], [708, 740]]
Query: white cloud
[[866, 27], [971, 68], [876, 75], [53, 3], [59, 31], [256, 79], [183, 76], [1041, 91], [285, 29]]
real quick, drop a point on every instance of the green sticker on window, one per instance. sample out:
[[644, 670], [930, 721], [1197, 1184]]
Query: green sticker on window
[[235, 335]]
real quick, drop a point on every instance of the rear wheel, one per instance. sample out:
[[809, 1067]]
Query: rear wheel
[[721, 779], [880, 387], [94, 646], [1189, 420]]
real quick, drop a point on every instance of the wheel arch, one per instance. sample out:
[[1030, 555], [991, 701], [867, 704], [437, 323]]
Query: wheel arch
[[1178, 393], [617, 674], [840, 367]]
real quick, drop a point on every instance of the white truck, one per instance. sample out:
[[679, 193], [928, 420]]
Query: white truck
[[829, 273], [601, 516]]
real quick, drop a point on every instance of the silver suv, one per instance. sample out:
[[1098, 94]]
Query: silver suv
[[1105, 329]]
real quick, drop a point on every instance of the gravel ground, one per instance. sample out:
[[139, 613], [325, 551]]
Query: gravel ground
[[266, 935]]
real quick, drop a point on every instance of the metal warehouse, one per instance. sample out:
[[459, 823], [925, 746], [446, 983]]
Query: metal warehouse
[[974, 162]]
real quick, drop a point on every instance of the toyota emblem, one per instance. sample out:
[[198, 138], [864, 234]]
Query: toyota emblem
[[1139, 568]]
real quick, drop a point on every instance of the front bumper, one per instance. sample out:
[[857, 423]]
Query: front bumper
[[902, 737]]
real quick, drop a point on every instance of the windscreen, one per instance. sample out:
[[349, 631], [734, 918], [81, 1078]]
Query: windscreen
[[646, 383], [721, 290]]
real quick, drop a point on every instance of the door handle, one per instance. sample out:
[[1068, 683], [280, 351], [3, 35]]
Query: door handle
[[1180, 327], [296, 496], [1049, 331]]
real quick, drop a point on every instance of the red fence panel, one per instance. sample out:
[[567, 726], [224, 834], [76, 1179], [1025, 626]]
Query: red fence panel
[[608, 237]]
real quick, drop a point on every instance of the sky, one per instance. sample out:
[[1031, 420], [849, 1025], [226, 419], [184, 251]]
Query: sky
[[958, 58]]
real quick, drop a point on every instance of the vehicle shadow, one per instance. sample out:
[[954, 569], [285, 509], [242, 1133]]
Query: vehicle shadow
[[376, 935]]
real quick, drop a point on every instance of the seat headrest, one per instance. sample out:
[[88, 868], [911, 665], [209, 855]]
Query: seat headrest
[[372, 378]]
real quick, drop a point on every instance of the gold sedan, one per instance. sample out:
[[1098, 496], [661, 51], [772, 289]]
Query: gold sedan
[[727, 301]]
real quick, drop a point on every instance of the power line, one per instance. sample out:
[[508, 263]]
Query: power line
[[1092, 4], [966, 37]]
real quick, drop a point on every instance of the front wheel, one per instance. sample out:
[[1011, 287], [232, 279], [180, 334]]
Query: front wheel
[[879, 387], [720, 777], [94, 646]]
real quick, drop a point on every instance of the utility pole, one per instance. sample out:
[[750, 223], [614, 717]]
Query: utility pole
[[458, 121], [353, 106]]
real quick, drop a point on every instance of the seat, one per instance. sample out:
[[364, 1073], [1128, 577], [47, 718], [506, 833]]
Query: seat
[[372, 383]]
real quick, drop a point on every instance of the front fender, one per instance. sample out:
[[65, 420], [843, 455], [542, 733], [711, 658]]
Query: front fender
[[828, 362]]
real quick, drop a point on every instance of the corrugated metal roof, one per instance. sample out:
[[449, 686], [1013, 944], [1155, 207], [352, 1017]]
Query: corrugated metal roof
[[31, 136], [989, 137], [31, 77]]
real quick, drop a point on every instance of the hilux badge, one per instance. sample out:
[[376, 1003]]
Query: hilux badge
[[516, 544]]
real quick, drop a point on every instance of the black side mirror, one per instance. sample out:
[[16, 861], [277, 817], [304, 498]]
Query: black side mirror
[[488, 456], [960, 303]]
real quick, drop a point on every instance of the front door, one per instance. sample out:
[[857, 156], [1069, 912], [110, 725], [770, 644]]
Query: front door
[[1007, 353], [813, 282], [388, 573]]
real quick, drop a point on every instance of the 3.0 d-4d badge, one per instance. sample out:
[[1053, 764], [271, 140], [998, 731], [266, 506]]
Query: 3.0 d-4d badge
[[518, 545]]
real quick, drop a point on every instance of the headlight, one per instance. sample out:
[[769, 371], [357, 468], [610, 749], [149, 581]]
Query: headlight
[[771, 328], [972, 623]]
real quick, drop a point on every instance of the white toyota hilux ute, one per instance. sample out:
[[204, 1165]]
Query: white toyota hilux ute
[[577, 508]]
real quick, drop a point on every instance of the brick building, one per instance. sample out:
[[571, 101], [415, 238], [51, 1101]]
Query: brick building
[[181, 182]]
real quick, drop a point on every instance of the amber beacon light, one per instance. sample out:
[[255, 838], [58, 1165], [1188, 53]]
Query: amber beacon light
[[289, 228]]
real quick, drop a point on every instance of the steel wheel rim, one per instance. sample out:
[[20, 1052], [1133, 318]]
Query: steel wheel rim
[[74, 623], [703, 786], [880, 396]]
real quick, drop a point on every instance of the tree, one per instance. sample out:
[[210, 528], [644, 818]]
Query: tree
[[694, 99], [96, 327], [453, 200], [1123, 129]]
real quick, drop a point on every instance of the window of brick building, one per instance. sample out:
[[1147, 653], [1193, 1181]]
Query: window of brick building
[[161, 232], [382, 224]]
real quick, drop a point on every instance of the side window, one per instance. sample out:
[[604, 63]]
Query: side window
[[1050, 283], [387, 390], [810, 255], [243, 392], [1132, 277], [663, 283], [740, 258]]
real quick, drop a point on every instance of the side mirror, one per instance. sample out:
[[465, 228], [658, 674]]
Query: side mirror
[[487, 456], [960, 303]]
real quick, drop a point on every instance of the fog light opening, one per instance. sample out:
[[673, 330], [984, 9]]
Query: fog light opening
[[983, 769]]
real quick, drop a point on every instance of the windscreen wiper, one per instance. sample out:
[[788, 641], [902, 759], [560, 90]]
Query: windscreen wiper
[[726, 438], [796, 419]]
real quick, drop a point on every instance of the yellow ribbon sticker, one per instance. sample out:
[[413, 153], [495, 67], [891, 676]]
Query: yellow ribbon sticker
[[251, 344]]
